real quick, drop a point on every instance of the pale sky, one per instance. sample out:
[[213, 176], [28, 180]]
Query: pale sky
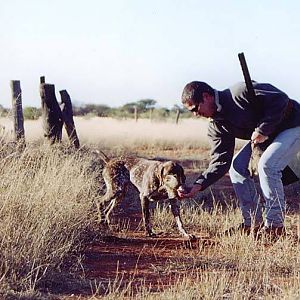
[[114, 52]]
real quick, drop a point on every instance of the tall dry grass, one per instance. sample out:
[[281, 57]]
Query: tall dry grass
[[233, 267], [128, 134], [46, 213], [46, 203]]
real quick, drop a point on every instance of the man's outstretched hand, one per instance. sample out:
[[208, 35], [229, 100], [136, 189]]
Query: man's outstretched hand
[[189, 192]]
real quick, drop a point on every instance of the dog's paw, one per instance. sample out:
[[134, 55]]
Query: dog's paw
[[190, 242], [103, 222], [151, 234], [191, 237]]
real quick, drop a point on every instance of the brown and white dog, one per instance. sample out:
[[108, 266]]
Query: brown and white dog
[[155, 180]]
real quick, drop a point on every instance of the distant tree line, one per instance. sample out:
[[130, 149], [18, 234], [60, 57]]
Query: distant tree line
[[145, 108]]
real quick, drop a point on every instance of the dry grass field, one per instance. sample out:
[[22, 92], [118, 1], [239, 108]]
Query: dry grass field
[[122, 134], [52, 246]]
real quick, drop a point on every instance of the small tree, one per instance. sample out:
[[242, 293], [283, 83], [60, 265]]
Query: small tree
[[146, 104], [130, 107], [31, 113]]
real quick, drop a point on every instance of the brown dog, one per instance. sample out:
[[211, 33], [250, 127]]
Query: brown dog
[[154, 180]]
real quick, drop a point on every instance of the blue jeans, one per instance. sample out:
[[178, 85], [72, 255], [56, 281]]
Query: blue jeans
[[275, 158]]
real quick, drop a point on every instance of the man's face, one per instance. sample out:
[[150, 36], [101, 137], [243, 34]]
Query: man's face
[[206, 109]]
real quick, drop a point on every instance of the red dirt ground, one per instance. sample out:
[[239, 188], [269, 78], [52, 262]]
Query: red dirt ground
[[139, 259], [144, 261]]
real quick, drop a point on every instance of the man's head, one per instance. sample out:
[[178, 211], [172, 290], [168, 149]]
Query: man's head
[[199, 98]]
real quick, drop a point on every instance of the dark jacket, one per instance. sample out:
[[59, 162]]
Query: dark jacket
[[239, 117]]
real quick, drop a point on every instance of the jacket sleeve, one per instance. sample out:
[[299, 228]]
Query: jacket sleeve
[[272, 103], [222, 149]]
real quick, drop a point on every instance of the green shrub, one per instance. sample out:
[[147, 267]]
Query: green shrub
[[31, 113]]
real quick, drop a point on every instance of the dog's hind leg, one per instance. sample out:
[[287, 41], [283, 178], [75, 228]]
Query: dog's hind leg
[[146, 215], [116, 178], [109, 201], [176, 213], [113, 203], [103, 206]]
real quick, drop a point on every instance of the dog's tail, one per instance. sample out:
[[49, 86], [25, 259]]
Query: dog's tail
[[102, 155]]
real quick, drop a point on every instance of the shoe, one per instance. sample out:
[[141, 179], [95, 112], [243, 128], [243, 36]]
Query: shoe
[[246, 229]]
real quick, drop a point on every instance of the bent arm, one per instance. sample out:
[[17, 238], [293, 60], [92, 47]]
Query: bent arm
[[222, 149]]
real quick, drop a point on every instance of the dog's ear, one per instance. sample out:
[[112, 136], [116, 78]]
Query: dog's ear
[[160, 174], [181, 172], [169, 167], [178, 169], [163, 170]]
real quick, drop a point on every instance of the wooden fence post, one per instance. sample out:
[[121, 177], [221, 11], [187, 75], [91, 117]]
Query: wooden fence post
[[19, 131], [135, 113], [177, 116], [51, 113], [67, 113], [151, 112]]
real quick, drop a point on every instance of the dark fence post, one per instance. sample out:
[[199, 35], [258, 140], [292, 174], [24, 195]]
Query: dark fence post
[[51, 113], [177, 116], [19, 132], [67, 113]]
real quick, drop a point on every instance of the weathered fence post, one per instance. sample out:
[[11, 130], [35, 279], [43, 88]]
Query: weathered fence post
[[177, 115], [67, 113], [17, 111], [135, 113], [151, 112], [51, 113]]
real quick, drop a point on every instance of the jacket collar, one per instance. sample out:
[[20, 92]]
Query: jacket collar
[[217, 101]]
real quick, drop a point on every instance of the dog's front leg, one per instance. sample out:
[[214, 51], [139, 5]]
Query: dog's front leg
[[146, 215], [176, 213]]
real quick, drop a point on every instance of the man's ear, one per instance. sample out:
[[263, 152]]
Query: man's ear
[[207, 97]]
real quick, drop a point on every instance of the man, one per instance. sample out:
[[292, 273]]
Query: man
[[234, 114]]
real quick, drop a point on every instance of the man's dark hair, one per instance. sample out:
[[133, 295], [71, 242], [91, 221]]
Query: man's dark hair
[[193, 91]]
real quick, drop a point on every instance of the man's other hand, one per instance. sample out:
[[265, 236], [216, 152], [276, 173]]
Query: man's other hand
[[257, 138]]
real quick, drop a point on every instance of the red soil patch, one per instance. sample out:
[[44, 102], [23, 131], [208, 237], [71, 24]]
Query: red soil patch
[[153, 262], [139, 259]]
